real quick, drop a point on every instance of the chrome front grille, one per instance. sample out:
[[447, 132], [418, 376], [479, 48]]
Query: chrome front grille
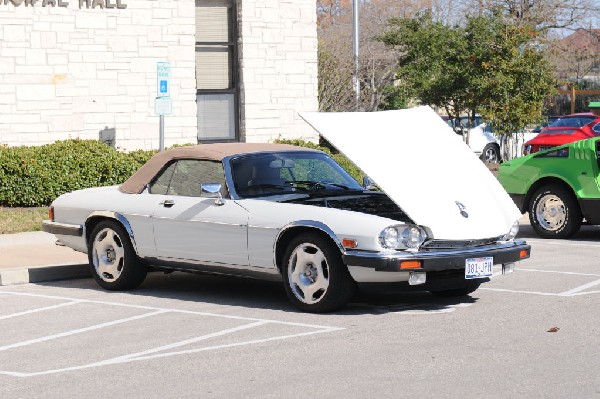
[[459, 244]]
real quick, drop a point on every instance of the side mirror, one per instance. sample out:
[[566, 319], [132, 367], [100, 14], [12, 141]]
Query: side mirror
[[369, 184], [212, 190]]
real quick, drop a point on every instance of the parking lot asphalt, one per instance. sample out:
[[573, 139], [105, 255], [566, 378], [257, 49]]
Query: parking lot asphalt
[[533, 333]]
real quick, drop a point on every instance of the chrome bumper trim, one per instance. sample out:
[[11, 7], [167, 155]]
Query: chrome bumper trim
[[62, 228], [438, 260]]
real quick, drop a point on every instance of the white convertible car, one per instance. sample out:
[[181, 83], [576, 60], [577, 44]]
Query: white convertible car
[[292, 213]]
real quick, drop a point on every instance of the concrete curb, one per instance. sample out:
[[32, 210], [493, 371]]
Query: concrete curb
[[43, 274]]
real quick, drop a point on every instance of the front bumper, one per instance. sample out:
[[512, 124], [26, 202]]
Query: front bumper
[[438, 260]]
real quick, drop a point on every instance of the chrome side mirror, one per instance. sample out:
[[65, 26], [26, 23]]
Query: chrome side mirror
[[369, 184], [212, 190]]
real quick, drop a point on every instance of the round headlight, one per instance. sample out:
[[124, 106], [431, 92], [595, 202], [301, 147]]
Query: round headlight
[[413, 237], [402, 237], [389, 238], [512, 233]]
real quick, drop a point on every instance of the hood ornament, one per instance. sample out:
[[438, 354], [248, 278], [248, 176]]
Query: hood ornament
[[462, 209]]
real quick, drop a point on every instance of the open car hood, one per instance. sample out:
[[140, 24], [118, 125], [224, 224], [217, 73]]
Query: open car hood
[[424, 167]]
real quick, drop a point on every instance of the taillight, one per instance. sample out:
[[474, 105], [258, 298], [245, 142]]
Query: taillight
[[51, 213]]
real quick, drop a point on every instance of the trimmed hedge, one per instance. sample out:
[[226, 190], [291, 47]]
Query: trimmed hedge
[[344, 162], [35, 176]]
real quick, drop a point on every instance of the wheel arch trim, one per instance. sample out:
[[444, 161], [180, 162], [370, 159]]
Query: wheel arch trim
[[278, 248], [104, 215]]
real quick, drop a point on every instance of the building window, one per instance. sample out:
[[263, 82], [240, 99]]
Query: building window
[[216, 70]]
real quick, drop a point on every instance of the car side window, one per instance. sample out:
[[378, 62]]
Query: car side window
[[161, 184], [184, 177]]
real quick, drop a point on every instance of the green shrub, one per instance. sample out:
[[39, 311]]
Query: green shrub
[[34, 176], [344, 162]]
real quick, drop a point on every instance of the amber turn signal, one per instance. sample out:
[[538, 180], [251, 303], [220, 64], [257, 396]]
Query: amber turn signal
[[524, 254], [347, 243], [410, 264], [51, 213]]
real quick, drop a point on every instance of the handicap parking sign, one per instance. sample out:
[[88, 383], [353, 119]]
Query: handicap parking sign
[[164, 87], [163, 79]]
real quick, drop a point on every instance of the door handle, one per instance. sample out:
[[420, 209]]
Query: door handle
[[167, 203]]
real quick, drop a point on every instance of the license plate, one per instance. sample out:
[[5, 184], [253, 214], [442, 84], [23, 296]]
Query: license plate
[[479, 267]]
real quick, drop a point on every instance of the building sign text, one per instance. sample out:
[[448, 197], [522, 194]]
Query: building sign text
[[120, 4]]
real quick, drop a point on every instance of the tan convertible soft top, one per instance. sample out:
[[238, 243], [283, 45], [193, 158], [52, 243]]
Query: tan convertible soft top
[[136, 183]]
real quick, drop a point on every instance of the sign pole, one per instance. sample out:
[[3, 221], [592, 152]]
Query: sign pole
[[161, 137], [162, 103]]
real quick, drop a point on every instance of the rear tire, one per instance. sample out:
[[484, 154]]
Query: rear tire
[[113, 261], [554, 212], [315, 278]]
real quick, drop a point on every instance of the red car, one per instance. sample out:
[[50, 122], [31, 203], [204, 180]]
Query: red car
[[567, 129]]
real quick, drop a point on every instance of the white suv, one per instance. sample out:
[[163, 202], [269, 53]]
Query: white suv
[[479, 136]]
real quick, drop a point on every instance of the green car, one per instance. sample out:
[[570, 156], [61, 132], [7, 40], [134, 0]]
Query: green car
[[559, 187]]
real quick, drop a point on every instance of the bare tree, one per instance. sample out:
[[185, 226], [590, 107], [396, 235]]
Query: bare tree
[[544, 15], [378, 64], [576, 56]]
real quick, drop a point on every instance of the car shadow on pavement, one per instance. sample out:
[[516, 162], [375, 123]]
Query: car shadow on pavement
[[408, 302], [269, 295]]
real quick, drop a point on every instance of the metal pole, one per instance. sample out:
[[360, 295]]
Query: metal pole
[[161, 137], [355, 79]]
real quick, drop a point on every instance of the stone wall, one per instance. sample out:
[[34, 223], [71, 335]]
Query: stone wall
[[68, 72], [278, 59], [73, 68]]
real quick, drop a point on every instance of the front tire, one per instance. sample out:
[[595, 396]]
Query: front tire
[[314, 275], [554, 212], [113, 261]]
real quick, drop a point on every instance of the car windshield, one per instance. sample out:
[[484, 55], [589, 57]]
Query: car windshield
[[265, 174], [573, 121], [561, 131]]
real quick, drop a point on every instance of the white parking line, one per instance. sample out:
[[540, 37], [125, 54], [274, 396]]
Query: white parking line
[[189, 341], [60, 305], [581, 288], [572, 292], [585, 293], [153, 352], [518, 291], [558, 272], [163, 355], [167, 309], [79, 331]]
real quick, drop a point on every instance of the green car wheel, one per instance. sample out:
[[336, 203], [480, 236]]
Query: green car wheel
[[554, 212]]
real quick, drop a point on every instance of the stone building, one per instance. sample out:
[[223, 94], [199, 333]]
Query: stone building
[[240, 70]]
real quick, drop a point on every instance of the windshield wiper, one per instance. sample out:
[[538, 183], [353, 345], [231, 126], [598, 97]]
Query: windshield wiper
[[315, 184], [308, 183]]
